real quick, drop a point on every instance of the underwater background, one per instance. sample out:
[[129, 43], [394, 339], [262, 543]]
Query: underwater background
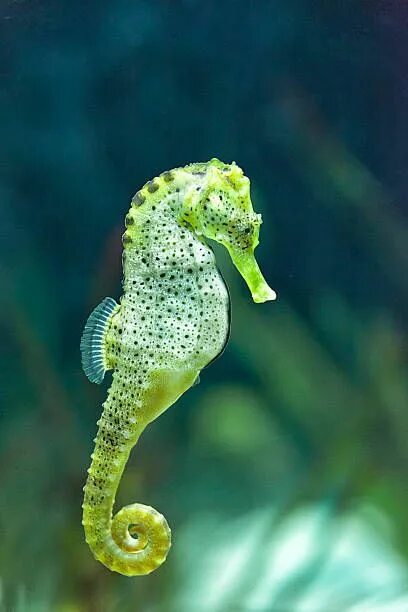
[[284, 473]]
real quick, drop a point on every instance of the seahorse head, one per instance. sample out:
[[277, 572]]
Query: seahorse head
[[220, 209]]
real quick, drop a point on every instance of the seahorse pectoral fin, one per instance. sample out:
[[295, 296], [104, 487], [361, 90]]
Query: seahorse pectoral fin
[[246, 264], [93, 346]]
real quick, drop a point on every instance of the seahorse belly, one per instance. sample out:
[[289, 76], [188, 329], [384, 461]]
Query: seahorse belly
[[175, 305]]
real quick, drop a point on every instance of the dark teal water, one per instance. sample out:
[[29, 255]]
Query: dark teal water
[[283, 474]]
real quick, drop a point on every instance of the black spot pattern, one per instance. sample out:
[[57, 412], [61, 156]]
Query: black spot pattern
[[175, 304]]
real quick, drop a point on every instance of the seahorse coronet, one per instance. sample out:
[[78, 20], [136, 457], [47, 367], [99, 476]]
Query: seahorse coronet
[[171, 322]]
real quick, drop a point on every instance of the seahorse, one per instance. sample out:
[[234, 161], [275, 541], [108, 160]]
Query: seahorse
[[173, 320]]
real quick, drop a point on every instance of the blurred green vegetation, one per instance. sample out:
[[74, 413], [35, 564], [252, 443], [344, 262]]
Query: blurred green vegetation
[[283, 474]]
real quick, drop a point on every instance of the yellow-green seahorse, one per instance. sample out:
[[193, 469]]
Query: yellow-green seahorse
[[172, 321]]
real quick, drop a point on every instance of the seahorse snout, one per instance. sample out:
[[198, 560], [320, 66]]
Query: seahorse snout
[[246, 264]]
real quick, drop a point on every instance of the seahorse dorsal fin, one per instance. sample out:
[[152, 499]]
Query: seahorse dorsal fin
[[93, 340]]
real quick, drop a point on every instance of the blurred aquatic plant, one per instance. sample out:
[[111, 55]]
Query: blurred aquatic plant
[[309, 560]]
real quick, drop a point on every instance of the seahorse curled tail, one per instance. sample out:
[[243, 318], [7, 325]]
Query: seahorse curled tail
[[137, 539]]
